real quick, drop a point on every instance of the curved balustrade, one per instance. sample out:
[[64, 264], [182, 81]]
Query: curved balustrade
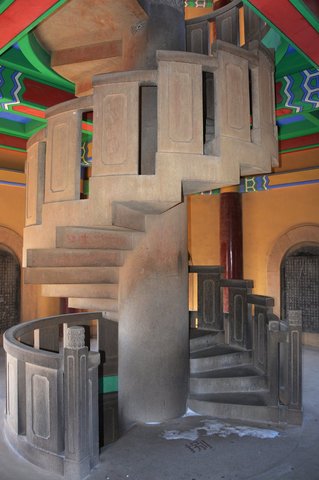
[[233, 23], [250, 324], [52, 392], [198, 121]]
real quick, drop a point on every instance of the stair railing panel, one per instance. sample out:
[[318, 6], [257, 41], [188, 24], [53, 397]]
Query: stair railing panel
[[44, 423], [180, 114], [225, 23], [262, 311], [290, 387], [35, 174], [238, 317], [63, 150], [209, 312]]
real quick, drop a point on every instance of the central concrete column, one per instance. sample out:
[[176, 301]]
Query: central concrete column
[[153, 322], [165, 28]]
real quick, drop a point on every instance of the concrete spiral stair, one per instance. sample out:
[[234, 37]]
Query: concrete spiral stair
[[84, 266], [224, 382]]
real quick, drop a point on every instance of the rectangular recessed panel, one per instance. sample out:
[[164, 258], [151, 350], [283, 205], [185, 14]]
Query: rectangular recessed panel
[[40, 406], [115, 129], [59, 159], [181, 107]]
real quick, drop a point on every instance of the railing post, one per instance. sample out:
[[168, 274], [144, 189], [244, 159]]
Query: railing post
[[81, 406], [237, 322], [273, 360], [295, 364], [209, 297]]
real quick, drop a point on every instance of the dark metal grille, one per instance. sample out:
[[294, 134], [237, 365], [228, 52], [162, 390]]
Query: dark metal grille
[[301, 289], [9, 290]]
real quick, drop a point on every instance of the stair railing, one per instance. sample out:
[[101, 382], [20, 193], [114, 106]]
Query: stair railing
[[234, 23], [250, 323], [52, 395]]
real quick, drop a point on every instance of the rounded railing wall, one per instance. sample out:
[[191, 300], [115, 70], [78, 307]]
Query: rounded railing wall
[[52, 392]]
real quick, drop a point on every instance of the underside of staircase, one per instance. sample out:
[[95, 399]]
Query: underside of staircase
[[84, 266]]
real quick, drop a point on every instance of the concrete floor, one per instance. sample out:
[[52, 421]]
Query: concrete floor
[[144, 454]]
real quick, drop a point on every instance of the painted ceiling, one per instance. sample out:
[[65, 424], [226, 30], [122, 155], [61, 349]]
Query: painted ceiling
[[28, 86]]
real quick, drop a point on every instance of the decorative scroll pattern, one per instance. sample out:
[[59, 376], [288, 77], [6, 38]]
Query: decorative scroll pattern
[[198, 3], [11, 87], [299, 92]]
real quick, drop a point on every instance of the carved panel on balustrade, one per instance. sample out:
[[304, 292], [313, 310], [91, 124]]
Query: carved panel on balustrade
[[12, 392], [180, 108], [116, 129], [233, 96], [44, 424], [62, 175], [35, 183]]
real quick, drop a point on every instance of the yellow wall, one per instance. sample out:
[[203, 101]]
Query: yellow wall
[[12, 201], [267, 216], [12, 216]]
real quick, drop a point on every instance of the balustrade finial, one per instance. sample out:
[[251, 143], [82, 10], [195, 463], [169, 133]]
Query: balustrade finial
[[75, 338]]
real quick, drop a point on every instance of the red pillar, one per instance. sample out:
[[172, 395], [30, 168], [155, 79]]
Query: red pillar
[[231, 234]]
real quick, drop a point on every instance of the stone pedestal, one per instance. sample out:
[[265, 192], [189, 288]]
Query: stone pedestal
[[153, 323], [81, 406]]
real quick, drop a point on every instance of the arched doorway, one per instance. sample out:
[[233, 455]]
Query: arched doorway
[[9, 289], [299, 285]]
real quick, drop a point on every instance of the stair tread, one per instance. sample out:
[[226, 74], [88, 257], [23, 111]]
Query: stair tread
[[78, 257], [246, 398], [116, 238], [215, 350], [233, 359], [74, 275], [228, 372]]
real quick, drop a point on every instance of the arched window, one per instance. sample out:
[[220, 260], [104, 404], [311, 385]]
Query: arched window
[[9, 290], [300, 285]]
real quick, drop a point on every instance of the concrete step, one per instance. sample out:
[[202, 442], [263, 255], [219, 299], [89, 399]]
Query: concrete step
[[243, 370], [64, 275], [206, 340], [206, 364], [113, 238], [124, 216], [67, 257], [214, 350], [89, 290], [94, 304], [238, 385], [256, 414]]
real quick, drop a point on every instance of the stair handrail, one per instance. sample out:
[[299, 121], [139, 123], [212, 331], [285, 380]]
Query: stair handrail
[[52, 393]]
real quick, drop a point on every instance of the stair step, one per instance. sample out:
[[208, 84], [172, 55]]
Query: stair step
[[103, 238], [245, 398], [204, 364], [124, 216], [206, 340], [243, 370], [214, 350], [95, 304], [64, 275], [67, 257], [92, 290], [207, 385], [247, 413]]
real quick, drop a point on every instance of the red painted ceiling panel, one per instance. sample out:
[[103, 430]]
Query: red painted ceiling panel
[[288, 19], [19, 15]]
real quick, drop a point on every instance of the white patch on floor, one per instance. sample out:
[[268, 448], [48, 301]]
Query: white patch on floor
[[191, 413], [221, 430]]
